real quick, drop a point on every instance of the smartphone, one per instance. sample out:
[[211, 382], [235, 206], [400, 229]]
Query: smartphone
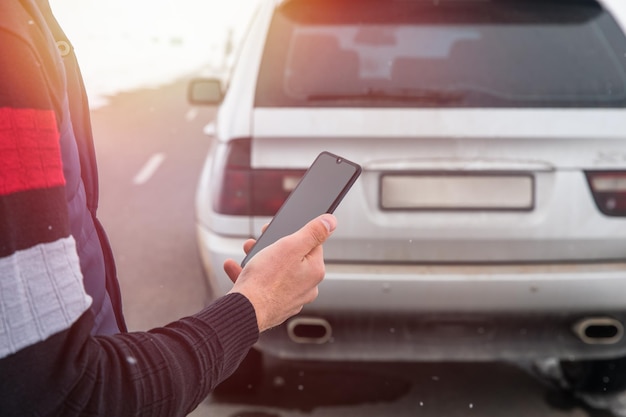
[[321, 189]]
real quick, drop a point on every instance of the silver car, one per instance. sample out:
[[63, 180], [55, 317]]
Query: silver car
[[489, 220]]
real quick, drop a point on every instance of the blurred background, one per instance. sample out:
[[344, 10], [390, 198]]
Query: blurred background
[[129, 44]]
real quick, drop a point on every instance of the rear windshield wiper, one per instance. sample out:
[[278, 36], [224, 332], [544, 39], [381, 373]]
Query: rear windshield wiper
[[406, 94]]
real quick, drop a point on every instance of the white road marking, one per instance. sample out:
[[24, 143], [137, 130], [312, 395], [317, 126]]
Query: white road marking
[[149, 168], [191, 114]]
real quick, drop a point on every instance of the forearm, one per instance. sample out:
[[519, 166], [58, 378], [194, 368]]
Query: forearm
[[164, 372]]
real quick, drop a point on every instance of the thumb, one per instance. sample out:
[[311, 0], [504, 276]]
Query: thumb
[[314, 233]]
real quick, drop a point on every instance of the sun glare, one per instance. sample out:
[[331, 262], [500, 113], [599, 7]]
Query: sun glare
[[152, 17], [126, 44]]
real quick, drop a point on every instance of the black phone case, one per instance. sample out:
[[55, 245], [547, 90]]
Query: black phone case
[[322, 187]]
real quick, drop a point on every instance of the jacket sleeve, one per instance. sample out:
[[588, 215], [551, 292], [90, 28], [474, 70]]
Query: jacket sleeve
[[164, 372], [49, 362]]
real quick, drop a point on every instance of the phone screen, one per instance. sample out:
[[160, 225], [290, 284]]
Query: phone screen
[[320, 191]]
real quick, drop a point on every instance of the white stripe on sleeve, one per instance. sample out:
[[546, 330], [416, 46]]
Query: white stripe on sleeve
[[41, 293]]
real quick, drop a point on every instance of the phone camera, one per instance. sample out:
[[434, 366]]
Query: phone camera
[[339, 160]]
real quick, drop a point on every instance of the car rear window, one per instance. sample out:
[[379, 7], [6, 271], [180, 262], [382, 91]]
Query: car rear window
[[438, 53]]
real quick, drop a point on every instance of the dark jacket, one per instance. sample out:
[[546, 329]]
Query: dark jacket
[[77, 149], [79, 161], [60, 353]]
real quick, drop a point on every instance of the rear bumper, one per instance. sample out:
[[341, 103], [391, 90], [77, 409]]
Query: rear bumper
[[534, 288], [443, 337], [432, 312]]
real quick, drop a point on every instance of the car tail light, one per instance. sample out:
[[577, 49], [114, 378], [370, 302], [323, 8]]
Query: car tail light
[[244, 191], [609, 191]]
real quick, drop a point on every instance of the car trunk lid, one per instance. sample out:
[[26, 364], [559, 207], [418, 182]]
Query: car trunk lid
[[458, 185]]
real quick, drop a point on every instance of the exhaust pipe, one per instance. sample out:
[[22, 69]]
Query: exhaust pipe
[[599, 330], [309, 330]]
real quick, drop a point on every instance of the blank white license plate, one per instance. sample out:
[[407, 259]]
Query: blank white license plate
[[456, 192]]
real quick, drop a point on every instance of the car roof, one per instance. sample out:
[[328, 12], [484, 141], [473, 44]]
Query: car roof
[[617, 8]]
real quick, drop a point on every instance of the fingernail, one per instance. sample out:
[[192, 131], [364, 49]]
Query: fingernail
[[330, 222]]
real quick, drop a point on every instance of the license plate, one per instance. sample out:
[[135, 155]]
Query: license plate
[[457, 191]]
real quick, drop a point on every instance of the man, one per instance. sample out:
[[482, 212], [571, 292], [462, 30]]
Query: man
[[63, 346]]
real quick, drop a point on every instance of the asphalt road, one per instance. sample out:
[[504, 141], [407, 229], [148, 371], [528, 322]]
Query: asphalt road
[[150, 151]]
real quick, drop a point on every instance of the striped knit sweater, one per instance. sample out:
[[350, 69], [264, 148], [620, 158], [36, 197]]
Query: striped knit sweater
[[60, 354]]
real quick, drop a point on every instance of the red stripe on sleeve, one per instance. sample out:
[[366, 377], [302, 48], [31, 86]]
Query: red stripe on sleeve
[[30, 154]]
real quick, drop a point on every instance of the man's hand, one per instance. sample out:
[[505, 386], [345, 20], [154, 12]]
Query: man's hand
[[284, 276]]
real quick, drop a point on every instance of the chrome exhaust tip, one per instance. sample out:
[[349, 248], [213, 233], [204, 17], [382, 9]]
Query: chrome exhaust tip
[[309, 330], [599, 330]]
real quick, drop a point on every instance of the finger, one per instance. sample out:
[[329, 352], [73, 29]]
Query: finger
[[315, 259], [317, 253], [314, 233], [232, 269], [248, 244]]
